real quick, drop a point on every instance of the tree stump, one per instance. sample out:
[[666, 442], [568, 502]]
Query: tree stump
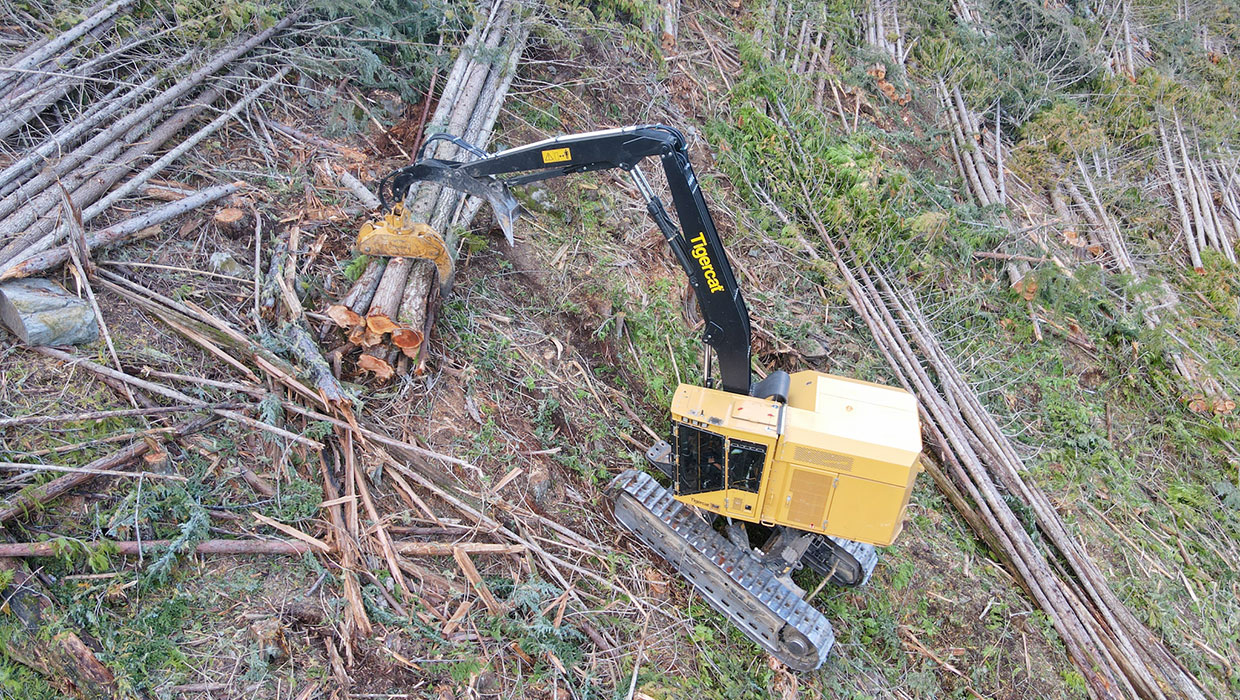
[[234, 222]]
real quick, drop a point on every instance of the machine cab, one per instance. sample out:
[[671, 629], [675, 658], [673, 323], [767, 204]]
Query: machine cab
[[721, 445], [839, 458]]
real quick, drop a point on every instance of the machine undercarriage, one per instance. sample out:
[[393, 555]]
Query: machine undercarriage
[[750, 585]]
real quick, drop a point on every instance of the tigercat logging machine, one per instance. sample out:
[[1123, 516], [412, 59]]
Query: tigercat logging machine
[[806, 469]]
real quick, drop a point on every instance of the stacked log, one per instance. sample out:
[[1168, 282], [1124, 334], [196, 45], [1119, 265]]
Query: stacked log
[[981, 473], [881, 19], [389, 310], [1207, 220], [136, 131]]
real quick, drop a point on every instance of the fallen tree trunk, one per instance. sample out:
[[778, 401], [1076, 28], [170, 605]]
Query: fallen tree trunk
[[42, 232], [23, 168], [53, 81], [165, 160], [1116, 654], [136, 118], [49, 259], [36, 635]]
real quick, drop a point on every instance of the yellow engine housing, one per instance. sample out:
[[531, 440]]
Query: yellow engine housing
[[839, 458]]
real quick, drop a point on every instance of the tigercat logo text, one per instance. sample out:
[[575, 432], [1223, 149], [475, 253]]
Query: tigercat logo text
[[557, 155], [703, 258]]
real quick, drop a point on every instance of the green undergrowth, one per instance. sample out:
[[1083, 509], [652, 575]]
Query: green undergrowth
[[1074, 374]]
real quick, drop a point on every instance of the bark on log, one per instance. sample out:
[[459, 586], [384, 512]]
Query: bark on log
[[66, 138], [140, 116], [359, 190], [37, 221], [59, 43], [132, 185], [298, 339], [37, 637], [1117, 655], [40, 91], [112, 235], [86, 196], [41, 312], [465, 108], [419, 304]]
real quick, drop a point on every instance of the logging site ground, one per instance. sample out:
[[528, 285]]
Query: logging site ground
[[316, 478]]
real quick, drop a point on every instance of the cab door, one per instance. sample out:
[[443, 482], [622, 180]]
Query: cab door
[[700, 458], [746, 462]]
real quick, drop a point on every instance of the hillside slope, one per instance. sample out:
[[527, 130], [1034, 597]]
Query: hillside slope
[[1049, 193]]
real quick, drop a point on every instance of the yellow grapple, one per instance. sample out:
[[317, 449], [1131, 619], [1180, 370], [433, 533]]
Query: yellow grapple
[[396, 235]]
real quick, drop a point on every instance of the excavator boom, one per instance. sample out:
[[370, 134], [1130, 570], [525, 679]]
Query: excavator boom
[[694, 242], [826, 464]]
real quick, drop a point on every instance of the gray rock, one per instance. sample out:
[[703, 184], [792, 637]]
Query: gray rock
[[41, 312]]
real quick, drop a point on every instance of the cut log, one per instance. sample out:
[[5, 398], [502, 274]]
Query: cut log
[[41, 312], [467, 107], [355, 186], [38, 220], [134, 183], [36, 635], [378, 366], [63, 141], [40, 92], [344, 317], [112, 235], [298, 339]]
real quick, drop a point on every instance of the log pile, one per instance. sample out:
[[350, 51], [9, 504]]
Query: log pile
[[389, 310], [88, 125], [881, 20], [1204, 192]]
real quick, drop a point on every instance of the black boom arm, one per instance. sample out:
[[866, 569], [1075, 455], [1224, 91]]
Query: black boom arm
[[695, 242]]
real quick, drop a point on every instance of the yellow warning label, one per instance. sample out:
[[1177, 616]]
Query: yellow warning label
[[556, 155]]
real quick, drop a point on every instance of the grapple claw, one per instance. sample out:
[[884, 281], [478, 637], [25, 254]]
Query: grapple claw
[[396, 235]]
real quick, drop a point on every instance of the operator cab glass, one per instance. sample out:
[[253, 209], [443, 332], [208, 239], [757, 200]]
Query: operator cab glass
[[701, 466], [745, 460], [699, 460]]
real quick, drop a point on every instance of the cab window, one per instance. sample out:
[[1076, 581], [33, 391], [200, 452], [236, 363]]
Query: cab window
[[745, 460], [699, 460]]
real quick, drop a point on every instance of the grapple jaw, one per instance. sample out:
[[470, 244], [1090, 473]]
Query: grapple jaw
[[395, 234], [504, 205]]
